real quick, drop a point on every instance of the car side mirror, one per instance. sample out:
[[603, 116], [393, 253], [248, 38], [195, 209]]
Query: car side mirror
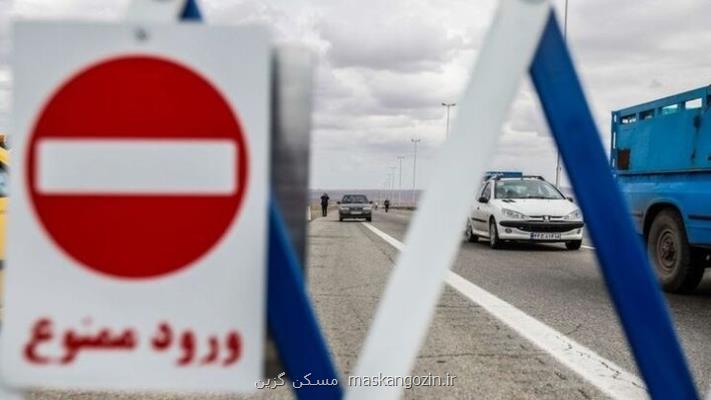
[[338, 202], [570, 199], [370, 202], [483, 199]]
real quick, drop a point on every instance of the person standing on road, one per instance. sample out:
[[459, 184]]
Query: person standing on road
[[387, 205], [324, 204]]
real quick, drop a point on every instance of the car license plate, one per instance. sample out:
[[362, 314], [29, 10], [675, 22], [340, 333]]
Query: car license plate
[[545, 236], [355, 212]]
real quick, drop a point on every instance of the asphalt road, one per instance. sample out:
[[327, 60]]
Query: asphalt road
[[349, 266], [564, 290]]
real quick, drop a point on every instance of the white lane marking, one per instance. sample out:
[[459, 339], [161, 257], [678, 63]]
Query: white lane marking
[[144, 166], [602, 373], [387, 238], [395, 337]]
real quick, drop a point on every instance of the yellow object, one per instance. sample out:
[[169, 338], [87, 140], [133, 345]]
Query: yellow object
[[4, 163]]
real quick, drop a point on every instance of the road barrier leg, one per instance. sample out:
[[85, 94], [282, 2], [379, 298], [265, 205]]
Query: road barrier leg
[[293, 324], [625, 267]]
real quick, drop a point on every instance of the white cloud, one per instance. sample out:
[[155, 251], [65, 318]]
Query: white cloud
[[393, 42], [385, 67]]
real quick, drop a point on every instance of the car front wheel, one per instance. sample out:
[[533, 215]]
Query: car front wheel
[[494, 241]]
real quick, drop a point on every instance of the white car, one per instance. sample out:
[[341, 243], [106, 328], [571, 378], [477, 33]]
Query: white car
[[526, 209]]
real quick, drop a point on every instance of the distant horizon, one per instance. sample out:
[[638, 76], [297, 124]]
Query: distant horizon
[[384, 190], [381, 194]]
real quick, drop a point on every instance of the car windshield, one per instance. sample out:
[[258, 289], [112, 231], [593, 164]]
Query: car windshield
[[354, 199], [526, 189]]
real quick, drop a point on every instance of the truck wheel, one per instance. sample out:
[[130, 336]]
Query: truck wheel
[[669, 250], [494, 241], [573, 244], [469, 234]]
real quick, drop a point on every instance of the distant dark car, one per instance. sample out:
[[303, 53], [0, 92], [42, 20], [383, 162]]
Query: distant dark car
[[355, 206]]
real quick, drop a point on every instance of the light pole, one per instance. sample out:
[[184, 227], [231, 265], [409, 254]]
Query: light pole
[[565, 38], [399, 191], [392, 184], [388, 183], [414, 141], [448, 105]]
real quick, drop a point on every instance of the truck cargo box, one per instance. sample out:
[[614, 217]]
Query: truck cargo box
[[661, 154], [668, 135]]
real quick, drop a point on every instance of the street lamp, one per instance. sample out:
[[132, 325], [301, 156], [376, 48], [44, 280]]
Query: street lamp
[[399, 192], [388, 183], [565, 38], [414, 141], [448, 105], [392, 183]]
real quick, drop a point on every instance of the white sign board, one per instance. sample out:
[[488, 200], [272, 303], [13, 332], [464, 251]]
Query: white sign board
[[138, 221]]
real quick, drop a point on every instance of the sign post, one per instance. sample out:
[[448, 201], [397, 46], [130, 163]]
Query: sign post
[[138, 239], [142, 135]]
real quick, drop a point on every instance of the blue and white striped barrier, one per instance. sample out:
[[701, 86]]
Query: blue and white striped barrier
[[524, 33]]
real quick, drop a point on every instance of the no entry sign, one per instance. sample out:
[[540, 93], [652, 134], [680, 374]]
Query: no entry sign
[[141, 151], [136, 251]]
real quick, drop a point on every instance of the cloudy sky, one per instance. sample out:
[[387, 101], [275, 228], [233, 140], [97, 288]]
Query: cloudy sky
[[386, 66]]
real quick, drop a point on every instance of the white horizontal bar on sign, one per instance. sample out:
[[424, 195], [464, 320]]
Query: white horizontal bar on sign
[[143, 166]]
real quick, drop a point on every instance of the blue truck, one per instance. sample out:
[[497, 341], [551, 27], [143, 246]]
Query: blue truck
[[661, 155]]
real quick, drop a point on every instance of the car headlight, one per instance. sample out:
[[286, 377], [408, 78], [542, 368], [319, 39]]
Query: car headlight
[[512, 214], [344, 208], [367, 208], [574, 216]]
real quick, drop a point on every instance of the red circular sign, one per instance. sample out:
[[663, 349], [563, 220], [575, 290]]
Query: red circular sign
[[137, 235]]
